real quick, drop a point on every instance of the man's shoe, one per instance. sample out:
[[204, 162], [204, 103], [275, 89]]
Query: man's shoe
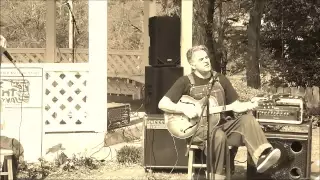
[[268, 160]]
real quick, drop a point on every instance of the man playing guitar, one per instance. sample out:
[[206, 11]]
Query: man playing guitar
[[244, 130]]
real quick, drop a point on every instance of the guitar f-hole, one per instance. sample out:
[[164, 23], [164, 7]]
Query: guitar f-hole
[[187, 103]]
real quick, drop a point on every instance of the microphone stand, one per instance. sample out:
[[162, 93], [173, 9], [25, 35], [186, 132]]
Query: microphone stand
[[207, 104], [73, 31]]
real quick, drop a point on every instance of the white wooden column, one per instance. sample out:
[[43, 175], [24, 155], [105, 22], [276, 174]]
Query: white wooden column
[[186, 32], [97, 83], [50, 31], [149, 10]]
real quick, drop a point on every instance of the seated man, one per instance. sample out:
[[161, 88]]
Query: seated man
[[244, 130]]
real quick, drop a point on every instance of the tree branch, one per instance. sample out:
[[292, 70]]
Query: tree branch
[[136, 28]]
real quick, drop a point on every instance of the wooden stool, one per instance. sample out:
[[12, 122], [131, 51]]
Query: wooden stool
[[9, 153], [192, 165]]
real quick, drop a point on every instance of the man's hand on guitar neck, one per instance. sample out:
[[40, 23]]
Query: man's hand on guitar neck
[[240, 107], [236, 106]]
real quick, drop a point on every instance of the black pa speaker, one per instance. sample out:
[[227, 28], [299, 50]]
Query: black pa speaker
[[164, 32], [158, 81], [295, 158], [161, 150]]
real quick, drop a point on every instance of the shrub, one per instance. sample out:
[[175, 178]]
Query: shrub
[[129, 155], [38, 170], [245, 92]]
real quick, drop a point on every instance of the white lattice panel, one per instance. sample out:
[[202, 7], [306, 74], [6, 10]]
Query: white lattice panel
[[65, 101], [123, 86]]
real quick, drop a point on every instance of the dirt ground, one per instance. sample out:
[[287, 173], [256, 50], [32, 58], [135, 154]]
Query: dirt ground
[[113, 170]]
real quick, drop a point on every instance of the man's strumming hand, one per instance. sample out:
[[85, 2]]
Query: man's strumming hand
[[191, 111]]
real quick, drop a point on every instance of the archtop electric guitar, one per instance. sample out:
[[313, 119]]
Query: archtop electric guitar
[[182, 127]]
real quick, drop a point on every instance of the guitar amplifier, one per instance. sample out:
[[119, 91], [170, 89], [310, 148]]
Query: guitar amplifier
[[118, 115], [295, 160], [282, 110], [161, 150]]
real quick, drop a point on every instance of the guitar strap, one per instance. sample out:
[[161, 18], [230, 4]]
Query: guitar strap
[[214, 78], [191, 79]]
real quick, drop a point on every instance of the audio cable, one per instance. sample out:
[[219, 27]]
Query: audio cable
[[177, 154]]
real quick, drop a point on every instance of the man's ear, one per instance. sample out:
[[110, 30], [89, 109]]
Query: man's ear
[[192, 66]]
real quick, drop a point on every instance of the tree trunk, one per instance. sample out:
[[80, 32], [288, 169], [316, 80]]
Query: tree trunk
[[252, 62], [221, 50], [203, 30]]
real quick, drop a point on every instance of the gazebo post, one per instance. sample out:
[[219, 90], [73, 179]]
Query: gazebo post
[[97, 81], [186, 32], [50, 31]]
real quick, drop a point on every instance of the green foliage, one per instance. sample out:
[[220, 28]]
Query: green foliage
[[76, 162], [38, 170], [43, 168], [291, 33], [245, 92], [125, 25], [129, 155], [290, 37], [23, 24]]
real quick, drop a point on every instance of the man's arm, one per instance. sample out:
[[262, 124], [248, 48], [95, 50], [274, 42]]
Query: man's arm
[[169, 101], [239, 107], [165, 104], [236, 106], [232, 97]]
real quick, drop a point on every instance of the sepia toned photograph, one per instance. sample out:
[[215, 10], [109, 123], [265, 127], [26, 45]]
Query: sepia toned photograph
[[159, 89]]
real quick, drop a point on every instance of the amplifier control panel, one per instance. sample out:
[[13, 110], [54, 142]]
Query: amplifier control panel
[[279, 113], [155, 122], [280, 110]]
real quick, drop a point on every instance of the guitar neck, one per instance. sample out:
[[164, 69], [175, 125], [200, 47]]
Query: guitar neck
[[219, 109]]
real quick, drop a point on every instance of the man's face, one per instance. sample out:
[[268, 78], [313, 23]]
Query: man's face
[[201, 61]]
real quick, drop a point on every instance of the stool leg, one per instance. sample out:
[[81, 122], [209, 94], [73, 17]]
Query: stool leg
[[228, 167], [190, 164], [9, 164]]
